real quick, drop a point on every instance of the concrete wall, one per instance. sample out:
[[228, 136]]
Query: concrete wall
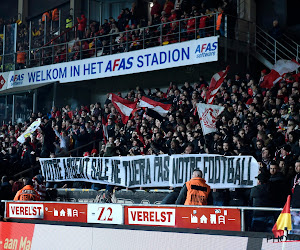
[[268, 10]]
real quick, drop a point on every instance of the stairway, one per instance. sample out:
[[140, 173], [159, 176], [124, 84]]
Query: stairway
[[268, 50]]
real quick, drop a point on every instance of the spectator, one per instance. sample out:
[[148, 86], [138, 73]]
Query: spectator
[[220, 23], [55, 19], [39, 186], [156, 9], [276, 32], [260, 196], [295, 201], [21, 56], [168, 7], [64, 141], [195, 191], [27, 193], [277, 186], [48, 136], [81, 25]]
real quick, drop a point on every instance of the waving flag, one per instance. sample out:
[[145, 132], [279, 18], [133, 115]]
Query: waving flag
[[104, 129], [29, 131], [124, 107], [215, 84], [159, 107], [208, 116], [284, 220], [280, 68]]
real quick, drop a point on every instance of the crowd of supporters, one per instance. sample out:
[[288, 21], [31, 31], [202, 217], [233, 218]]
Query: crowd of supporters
[[121, 34], [259, 122]]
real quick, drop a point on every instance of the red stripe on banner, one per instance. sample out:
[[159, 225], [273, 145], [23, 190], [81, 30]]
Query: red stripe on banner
[[164, 106]]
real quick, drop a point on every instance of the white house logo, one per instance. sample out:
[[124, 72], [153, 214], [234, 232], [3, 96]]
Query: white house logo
[[206, 49]]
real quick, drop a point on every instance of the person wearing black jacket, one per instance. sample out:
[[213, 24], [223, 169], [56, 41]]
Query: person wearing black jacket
[[80, 139], [27, 156], [48, 138], [260, 196], [295, 201], [5, 192], [277, 185]]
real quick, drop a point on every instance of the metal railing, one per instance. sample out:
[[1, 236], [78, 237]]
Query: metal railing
[[272, 49], [115, 42], [32, 170], [157, 35], [242, 209], [291, 45]]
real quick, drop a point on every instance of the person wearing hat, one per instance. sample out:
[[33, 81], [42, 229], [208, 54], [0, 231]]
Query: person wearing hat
[[285, 154], [27, 156], [94, 152], [284, 112], [39, 186], [260, 196], [27, 193]]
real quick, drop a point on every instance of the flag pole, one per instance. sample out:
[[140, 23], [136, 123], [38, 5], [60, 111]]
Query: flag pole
[[285, 235]]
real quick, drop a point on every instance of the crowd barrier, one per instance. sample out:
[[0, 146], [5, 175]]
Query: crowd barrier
[[136, 196], [45, 236], [196, 217], [214, 218]]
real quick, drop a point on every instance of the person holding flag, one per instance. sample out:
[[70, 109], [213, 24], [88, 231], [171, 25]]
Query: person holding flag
[[215, 84]]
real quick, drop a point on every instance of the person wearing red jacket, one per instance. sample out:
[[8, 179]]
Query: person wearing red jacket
[[202, 25], [81, 25], [168, 7], [191, 28], [156, 9]]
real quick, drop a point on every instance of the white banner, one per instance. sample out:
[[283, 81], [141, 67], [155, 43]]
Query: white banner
[[153, 171], [208, 116], [162, 57], [105, 213], [29, 131]]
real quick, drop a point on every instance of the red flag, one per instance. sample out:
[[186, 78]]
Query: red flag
[[159, 107], [141, 138], [104, 129], [284, 220], [124, 107], [215, 84], [280, 68]]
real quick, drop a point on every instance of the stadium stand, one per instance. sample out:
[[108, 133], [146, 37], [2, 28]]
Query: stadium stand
[[260, 122]]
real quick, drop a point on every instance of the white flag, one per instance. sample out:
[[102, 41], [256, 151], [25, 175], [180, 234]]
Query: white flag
[[29, 130], [208, 116]]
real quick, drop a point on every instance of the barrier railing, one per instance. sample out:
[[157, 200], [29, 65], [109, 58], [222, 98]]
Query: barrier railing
[[115, 42], [30, 171], [201, 217], [272, 49]]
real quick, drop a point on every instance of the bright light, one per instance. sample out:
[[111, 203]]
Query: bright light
[[151, 4]]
